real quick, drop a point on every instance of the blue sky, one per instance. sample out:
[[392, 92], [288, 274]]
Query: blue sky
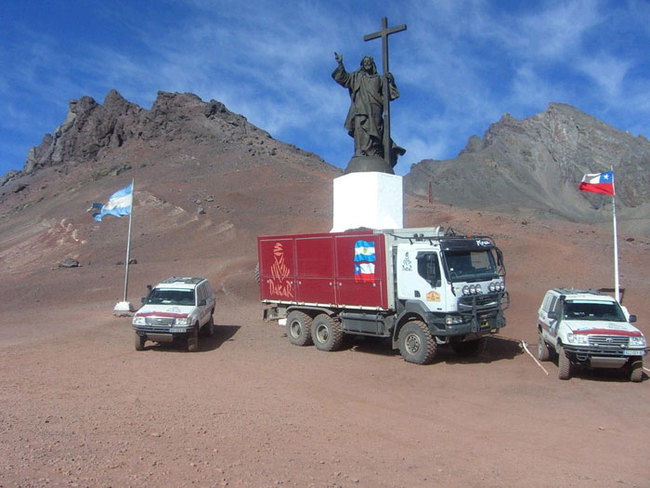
[[459, 66]]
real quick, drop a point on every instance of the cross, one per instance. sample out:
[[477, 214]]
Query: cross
[[384, 33]]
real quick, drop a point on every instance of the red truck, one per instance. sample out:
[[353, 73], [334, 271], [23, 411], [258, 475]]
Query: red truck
[[421, 287]]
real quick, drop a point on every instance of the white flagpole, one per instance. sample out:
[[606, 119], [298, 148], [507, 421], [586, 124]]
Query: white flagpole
[[128, 242], [616, 284]]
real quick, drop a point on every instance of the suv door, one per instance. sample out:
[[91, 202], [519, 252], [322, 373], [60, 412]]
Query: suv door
[[202, 305], [549, 318]]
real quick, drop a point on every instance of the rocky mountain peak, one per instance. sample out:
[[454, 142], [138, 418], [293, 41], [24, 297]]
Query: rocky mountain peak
[[537, 163], [91, 130]]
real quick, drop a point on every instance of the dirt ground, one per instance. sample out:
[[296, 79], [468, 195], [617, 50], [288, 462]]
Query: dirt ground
[[80, 407]]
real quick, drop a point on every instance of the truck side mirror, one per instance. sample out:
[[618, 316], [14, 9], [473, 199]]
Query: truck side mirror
[[553, 315], [632, 318]]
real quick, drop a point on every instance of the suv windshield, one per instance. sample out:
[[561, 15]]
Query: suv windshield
[[171, 297], [470, 265], [583, 310]]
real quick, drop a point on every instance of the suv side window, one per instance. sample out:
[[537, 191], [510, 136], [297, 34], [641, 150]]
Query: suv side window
[[200, 292]]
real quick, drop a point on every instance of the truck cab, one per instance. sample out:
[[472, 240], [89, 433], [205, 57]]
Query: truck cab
[[455, 283]]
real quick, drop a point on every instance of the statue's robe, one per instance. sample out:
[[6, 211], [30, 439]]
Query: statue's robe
[[364, 121]]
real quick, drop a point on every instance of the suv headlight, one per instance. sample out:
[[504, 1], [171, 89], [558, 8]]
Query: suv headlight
[[137, 320], [638, 341], [577, 338], [184, 321]]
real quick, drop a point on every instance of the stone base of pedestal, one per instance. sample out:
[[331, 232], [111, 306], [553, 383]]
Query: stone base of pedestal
[[372, 200]]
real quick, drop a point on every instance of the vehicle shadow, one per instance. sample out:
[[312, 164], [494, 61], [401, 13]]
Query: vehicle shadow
[[607, 375], [222, 333], [498, 348]]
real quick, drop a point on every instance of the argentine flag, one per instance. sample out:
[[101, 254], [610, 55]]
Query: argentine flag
[[118, 205], [364, 261], [364, 251]]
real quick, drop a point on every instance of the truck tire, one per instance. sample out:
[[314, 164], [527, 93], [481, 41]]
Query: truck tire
[[416, 344], [543, 351], [563, 364], [139, 342], [298, 328], [636, 370], [326, 333], [193, 339], [470, 348]]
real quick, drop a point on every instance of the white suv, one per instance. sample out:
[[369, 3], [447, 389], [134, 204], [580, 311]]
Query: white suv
[[590, 328], [177, 308]]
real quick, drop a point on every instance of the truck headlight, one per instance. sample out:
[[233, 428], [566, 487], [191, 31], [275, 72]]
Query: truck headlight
[[452, 320], [139, 321], [638, 341], [184, 321], [577, 339], [497, 286], [472, 290]]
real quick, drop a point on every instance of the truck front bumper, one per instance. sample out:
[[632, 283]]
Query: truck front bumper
[[483, 323]]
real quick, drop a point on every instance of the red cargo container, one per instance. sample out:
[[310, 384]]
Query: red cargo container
[[344, 269]]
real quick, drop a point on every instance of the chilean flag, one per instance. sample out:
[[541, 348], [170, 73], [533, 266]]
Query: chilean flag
[[598, 183]]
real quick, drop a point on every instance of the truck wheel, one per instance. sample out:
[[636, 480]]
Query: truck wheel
[[636, 370], [326, 333], [563, 364], [416, 345], [139, 342], [470, 348], [543, 351], [193, 339], [298, 328]]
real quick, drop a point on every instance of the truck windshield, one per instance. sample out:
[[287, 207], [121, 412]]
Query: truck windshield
[[471, 265], [582, 310], [171, 297]]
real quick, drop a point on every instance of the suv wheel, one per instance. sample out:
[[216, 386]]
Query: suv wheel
[[636, 370], [193, 339], [563, 364], [139, 342], [543, 351], [208, 328]]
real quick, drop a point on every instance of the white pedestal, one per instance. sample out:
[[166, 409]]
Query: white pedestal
[[373, 200]]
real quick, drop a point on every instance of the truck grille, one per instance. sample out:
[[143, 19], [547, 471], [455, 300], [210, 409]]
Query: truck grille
[[478, 301], [608, 341]]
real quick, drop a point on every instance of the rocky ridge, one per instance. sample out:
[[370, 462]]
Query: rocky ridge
[[531, 166], [536, 164]]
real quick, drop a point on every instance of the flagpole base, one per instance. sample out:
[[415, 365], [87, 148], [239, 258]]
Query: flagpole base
[[123, 309]]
